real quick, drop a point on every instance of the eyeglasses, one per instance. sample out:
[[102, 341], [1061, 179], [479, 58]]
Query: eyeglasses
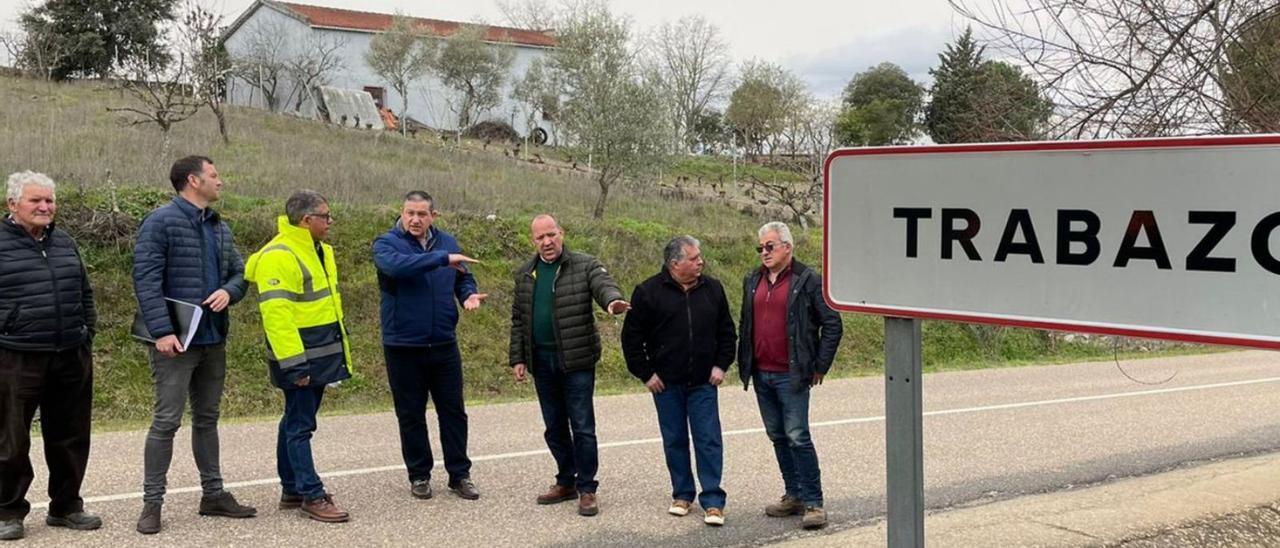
[[328, 218], [768, 246]]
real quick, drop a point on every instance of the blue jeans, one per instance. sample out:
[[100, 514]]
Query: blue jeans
[[786, 420], [416, 374], [570, 419], [293, 446], [684, 409]]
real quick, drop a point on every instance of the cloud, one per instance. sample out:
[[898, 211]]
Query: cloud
[[914, 49]]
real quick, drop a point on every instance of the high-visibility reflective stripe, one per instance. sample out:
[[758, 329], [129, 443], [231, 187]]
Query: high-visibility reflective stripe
[[295, 297], [288, 362], [326, 350], [307, 286], [308, 354]]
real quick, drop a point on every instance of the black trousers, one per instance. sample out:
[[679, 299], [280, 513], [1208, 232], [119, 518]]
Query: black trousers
[[419, 374], [61, 385]]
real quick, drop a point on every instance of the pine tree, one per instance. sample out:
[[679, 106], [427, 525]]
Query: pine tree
[[100, 36], [955, 81], [983, 101]]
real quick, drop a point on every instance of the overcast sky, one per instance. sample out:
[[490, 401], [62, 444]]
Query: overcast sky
[[823, 41]]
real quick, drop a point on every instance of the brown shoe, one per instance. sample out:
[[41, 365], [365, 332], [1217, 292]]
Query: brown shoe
[[788, 506], [714, 516], [558, 493], [587, 505], [323, 509], [814, 518]]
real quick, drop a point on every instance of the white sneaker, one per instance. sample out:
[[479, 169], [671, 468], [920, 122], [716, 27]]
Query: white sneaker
[[714, 516], [679, 508]]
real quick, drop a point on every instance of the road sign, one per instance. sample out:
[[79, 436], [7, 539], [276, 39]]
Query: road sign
[[1163, 238]]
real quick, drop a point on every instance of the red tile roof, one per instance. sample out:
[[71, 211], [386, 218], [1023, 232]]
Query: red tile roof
[[317, 16]]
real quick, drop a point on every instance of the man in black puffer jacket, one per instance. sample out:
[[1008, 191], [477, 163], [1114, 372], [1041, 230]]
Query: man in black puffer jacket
[[185, 252], [553, 336], [46, 333]]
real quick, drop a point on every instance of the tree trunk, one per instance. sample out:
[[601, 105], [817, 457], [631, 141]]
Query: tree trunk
[[604, 196], [222, 122], [164, 144], [404, 112]]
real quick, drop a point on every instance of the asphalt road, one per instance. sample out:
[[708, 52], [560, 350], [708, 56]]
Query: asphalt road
[[990, 434]]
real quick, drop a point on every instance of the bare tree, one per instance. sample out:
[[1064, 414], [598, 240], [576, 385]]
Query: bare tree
[[1252, 79], [800, 199], [1120, 68], [528, 14], [791, 135], [817, 131], [201, 33], [265, 62], [36, 52], [162, 96], [809, 134], [692, 59], [401, 56], [314, 63], [11, 41]]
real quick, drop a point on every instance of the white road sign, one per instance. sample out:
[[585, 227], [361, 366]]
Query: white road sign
[[1164, 238]]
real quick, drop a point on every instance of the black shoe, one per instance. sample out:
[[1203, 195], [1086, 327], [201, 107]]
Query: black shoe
[[11, 529], [80, 521], [149, 522], [290, 502], [464, 488], [225, 505], [421, 489]]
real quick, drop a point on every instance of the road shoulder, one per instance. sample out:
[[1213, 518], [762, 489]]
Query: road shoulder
[[1229, 501]]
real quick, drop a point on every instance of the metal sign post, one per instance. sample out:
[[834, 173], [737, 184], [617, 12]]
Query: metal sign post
[[904, 439]]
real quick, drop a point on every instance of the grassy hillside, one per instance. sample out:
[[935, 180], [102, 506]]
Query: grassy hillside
[[112, 174]]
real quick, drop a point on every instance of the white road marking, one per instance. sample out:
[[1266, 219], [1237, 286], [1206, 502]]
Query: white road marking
[[745, 431]]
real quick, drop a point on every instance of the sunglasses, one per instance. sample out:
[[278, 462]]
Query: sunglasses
[[770, 246]]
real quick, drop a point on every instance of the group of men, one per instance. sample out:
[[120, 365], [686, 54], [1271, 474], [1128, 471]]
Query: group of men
[[678, 338]]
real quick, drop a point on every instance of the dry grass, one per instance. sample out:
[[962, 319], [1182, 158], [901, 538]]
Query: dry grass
[[65, 131]]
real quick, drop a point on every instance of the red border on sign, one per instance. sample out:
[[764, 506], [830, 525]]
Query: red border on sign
[[1150, 333]]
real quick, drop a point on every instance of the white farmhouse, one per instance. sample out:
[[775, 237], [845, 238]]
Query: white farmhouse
[[271, 34]]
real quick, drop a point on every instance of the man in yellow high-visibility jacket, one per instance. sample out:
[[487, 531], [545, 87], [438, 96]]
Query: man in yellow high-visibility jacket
[[297, 280]]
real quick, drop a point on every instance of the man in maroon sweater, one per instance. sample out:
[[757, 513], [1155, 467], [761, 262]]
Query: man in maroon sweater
[[789, 338]]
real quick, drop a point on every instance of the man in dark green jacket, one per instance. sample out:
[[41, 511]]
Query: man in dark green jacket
[[554, 337]]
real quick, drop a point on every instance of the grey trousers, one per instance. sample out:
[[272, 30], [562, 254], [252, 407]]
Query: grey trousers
[[199, 373]]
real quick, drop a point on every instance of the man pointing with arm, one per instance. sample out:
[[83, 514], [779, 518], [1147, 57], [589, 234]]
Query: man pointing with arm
[[421, 273], [554, 337]]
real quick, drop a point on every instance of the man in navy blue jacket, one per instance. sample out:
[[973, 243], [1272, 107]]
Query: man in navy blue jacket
[[185, 252], [421, 271]]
